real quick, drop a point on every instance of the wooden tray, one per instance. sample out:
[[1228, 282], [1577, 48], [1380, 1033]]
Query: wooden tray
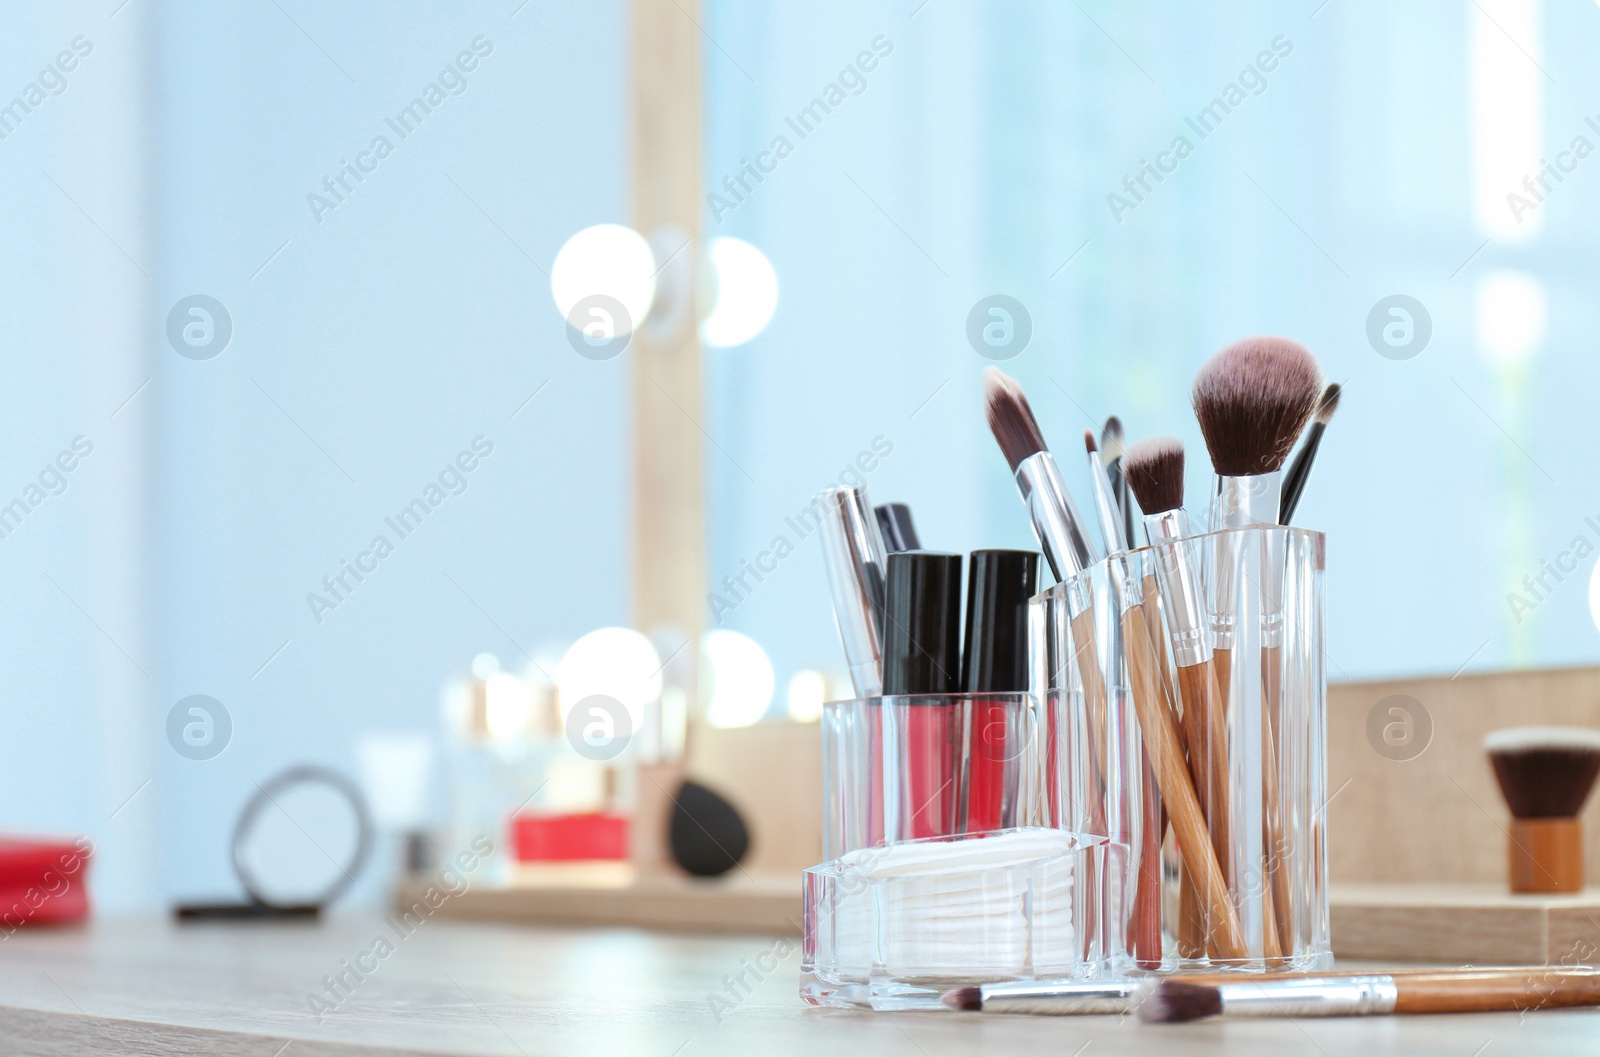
[[1464, 924], [741, 903]]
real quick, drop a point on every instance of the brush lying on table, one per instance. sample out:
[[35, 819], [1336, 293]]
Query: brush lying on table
[[1175, 1001], [1444, 991]]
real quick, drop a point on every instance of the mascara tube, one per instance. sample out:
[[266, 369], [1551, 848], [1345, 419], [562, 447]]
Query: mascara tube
[[853, 551]]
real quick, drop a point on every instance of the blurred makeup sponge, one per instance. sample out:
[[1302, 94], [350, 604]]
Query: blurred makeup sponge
[[707, 834]]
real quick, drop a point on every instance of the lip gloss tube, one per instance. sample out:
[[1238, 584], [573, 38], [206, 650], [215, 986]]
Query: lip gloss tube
[[999, 585], [921, 659]]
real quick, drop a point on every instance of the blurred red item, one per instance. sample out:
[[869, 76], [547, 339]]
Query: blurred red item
[[566, 838], [43, 882]]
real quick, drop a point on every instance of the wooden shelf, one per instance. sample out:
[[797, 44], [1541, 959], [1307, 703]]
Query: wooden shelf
[[740, 903], [1464, 924]]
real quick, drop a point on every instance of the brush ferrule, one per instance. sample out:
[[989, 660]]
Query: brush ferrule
[[1310, 997], [1178, 576], [1244, 502], [1056, 520], [1105, 507], [1061, 997]]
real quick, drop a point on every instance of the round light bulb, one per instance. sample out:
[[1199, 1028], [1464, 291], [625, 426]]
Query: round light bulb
[[609, 260], [807, 690], [1511, 317], [484, 665], [1594, 595], [508, 706], [619, 663], [741, 679], [747, 293]]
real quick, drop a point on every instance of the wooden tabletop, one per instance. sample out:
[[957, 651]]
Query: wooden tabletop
[[143, 986]]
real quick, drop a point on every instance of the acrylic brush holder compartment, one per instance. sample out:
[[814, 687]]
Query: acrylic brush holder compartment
[[1183, 685], [942, 869]]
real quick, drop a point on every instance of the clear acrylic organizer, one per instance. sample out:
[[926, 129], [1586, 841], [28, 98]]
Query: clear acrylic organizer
[[1183, 700], [944, 865]]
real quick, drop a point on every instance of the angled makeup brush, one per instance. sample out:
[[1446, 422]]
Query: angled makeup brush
[[1112, 446], [1294, 478], [1444, 991], [1056, 520], [1546, 775], [1154, 470]]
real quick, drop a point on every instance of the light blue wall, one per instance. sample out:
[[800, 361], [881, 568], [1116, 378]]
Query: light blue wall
[[369, 352], [979, 159], [410, 319], [372, 347]]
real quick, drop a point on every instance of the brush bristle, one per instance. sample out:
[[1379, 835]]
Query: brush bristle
[[1252, 399], [1089, 442], [1153, 468], [1112, 445], [1173, 1002], [1010, 418], [1545, 772], [1329, 403], [966, 999]]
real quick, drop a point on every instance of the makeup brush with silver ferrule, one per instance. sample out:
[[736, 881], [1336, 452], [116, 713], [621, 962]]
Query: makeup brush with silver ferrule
[[1106, 508], [1252, 400], [1441, 991], [1154, 470], [1056, 520], [1299, 471], [1112, 446], [1546, 775]]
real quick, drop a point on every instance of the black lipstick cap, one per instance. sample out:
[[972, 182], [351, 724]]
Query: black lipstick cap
[[894, 524], [999, 584], [922, 624]]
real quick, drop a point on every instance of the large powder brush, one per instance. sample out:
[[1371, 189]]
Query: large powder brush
[[1546, 775]]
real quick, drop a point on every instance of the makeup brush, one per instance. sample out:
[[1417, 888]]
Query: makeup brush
[[1154, 470], [1252, 399], [1145, 921], [1056, 520], [1294, 478], [1107, 510], [1546, 774], [1067, 997], [1445, 991], [1112, 446], [1060, 530]]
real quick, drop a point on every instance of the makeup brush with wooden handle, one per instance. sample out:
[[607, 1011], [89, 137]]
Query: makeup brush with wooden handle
[[1144, 924], [1546, 774], [1062, 536], [1445, 991], [1067, 997], [1252, 400], [1154, 470]]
